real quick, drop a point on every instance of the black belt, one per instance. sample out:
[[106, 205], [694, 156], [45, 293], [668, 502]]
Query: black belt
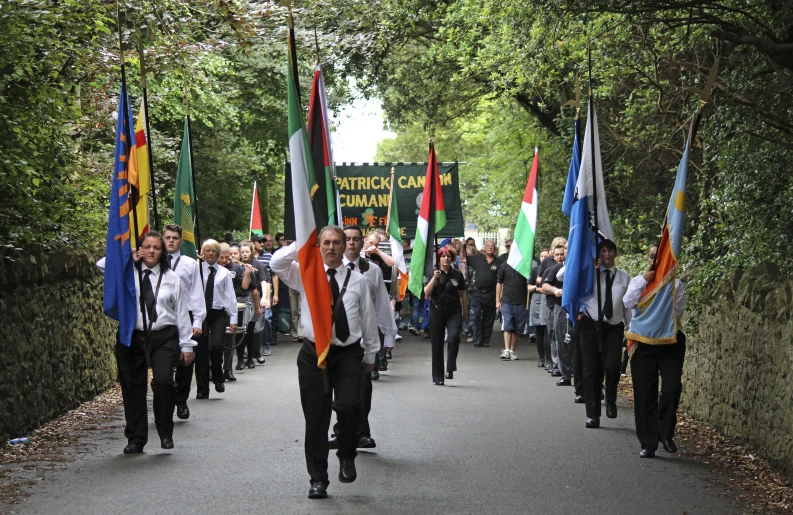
[[139, 333], [485, 290], [605, 324], [334, 347]]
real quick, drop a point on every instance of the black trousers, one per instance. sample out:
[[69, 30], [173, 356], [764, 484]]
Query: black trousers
[[344, 374], [440, 323], [483, 310], [539, 341], [209, 351], [133, 375], [366, 402], [247, 343], [656, 416], [600, 356], [578, 374]]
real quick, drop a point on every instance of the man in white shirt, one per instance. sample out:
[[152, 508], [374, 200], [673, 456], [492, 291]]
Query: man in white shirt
[[385, 324], [188, 271], [601, 350], [353, 347], [656, 416]]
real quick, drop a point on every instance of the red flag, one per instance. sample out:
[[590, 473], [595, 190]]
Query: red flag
[[256, 214]]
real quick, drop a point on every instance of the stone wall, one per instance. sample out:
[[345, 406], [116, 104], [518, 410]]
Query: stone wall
[[57, 348], [738, 374]]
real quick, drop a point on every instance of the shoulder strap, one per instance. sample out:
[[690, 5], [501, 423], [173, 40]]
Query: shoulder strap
[[363, 264]]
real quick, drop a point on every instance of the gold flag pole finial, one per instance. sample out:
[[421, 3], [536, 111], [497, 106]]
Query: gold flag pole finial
[[704, 94], [577, 101]]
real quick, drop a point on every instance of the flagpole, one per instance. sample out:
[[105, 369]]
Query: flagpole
[[390, 197], [127, 135], [152, 186], [592, 160]]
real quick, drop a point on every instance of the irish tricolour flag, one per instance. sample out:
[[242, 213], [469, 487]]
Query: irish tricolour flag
[[522, 250], [395, 238], [312, 270], [432, 218]]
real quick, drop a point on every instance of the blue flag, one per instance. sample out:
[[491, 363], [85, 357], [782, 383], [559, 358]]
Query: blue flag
[[572, 174], [119, 268]]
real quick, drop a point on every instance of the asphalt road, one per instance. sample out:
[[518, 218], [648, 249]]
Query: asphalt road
[[499, 438]]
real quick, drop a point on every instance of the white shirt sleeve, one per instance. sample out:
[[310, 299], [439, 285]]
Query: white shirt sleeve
[[385, 317], [634, 292], [560, 274], [231, 299], [186, 341], [284, 264], [370, 340], [197, 301]]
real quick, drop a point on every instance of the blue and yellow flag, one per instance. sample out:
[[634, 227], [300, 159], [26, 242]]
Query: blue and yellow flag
[[119, 301], [655, 321]]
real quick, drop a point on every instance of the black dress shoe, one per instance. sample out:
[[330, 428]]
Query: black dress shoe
[[133, 448], [366, 442], [333, 442], [579, 399], [382, 367], [647, 453], [540, 364], [375, 375], [611, 409], [166, 442], [318, 490], [556, 373], [220, 387], [563, 382], [260, 360], [485, 345], [202, 395], [250, 364], [449, 375], [438, 383], [593, 423], [240, 366], [182, 411], [669, 446], [477, 344], [347, 473], [388, 354], [229, 375]]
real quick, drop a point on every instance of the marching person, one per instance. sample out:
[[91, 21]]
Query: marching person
[[162, 332], [237, 277], [511, 295], [483, 298], [385, 262], [446, 290], [256, 273], [552, 286], [601, 348], [385, 324], [188, 271], [221, 306], [534, 310], [656, 416], [352, 350]]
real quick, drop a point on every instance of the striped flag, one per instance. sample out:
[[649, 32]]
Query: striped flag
[[139, 178], [395, 238], [312, 269], [655, 321], [119, 287], [326, 197], [522, 250], [256, 214], [432, 218]]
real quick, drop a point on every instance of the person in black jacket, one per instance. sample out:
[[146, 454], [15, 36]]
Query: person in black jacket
[[448, 309]]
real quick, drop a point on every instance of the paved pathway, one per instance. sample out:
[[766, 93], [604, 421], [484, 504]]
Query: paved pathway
[[499, 438]]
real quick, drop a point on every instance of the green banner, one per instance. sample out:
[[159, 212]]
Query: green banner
[[363, 194]]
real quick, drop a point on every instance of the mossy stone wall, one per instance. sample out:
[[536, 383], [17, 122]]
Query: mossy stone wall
[[738, 374], [57, 344]]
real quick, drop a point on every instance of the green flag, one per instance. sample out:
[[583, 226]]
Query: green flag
[[185, 198]]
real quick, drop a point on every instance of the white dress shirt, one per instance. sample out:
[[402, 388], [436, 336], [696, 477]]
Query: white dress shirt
[[618, 289], [171, 305], [636, 287], [380, 298], [187, 270], [223, 296], [357, 302]]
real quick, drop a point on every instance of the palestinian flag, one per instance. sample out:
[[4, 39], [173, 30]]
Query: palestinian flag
[[522, 250], [312, 269], [256, 214], [184, 197], [432, 218], [395, 238], [139, 179], [327, 207]]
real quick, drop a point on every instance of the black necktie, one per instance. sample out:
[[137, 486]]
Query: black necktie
[[209, 292], [170, 261], [147, 296], [341, 325], [351, 265], [608, 307]]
